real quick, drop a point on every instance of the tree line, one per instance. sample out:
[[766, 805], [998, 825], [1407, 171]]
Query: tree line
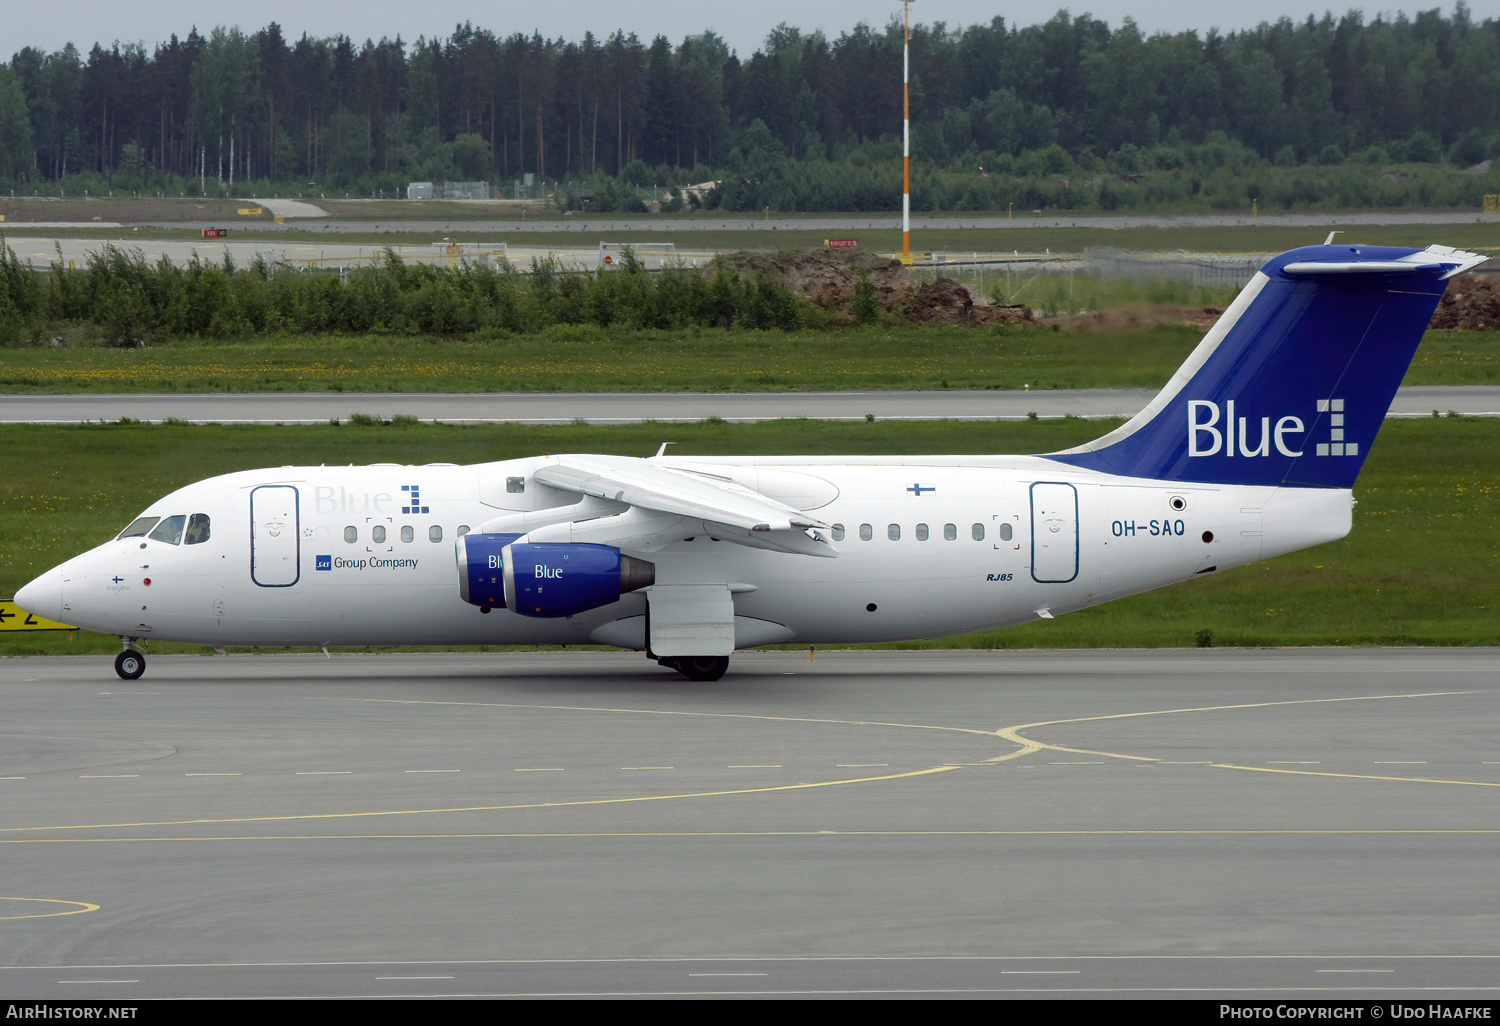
[[805, 122]]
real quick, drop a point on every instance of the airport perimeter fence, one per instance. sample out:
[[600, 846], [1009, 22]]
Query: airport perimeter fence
[[1228, 269], [1055, 283], [466, 191]]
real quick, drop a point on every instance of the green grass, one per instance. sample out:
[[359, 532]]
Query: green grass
[[1456, 358], [1421, 567], [573, 358]]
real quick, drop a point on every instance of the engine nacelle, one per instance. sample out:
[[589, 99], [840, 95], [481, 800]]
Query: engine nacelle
[[563, 578], [481, 569], [545, 579]]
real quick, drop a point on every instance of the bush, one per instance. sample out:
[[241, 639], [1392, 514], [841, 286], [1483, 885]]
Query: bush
[[1331, 156], [865, 307], [1469, 149], [1423, 149]]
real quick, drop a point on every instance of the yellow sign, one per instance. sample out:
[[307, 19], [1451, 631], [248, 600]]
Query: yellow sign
[[280, 218], [14, 618], [249, 211], [1491, 204]]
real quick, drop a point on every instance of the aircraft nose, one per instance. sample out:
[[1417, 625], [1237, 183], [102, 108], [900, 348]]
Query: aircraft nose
[[44, 596]]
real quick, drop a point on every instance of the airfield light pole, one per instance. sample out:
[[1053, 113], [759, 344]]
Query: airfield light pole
[[906, 132]]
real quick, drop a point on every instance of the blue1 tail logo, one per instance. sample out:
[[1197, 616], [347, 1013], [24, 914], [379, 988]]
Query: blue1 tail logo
[[1212, 431], [414, 498], [1336, 446]]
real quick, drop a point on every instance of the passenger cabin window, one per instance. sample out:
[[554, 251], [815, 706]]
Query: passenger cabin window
[[977, 531], [921, 532], [463, 529], [197, 529], [838, 532], [377, 534], [351, 535], [138, 527], [866, 532], [407, 534], [950, 532], [170, 530], [434, 533], [893, 532], [1005, 532]]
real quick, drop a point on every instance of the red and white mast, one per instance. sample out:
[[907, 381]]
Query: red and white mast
[[906, 132]]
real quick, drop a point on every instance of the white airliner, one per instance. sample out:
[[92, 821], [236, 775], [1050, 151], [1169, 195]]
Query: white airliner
[[1250, 451]]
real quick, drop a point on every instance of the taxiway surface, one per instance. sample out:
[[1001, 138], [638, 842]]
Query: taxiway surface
[[666, 407], [1310, 823]]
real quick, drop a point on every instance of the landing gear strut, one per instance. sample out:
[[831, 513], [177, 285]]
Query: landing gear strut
[[704, 668], [131, 663]]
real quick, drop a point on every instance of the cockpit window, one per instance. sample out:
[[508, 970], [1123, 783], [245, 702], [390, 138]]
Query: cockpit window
[[197, 529], [169, 530], [138, 527]]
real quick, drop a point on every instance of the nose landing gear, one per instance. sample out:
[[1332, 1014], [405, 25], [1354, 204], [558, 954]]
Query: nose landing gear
[[131, 663]]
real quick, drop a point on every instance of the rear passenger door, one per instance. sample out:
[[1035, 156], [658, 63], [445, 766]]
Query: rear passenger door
[[1054, 532]]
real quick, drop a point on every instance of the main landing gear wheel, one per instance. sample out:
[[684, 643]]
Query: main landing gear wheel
[[701, 667], [130, 664]]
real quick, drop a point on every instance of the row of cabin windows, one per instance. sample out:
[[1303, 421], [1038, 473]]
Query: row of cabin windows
[[893, 532], [408, 533], [176, 530]]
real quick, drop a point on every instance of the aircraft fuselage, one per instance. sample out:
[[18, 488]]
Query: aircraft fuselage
[[345, 556]]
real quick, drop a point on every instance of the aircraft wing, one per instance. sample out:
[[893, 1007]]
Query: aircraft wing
[[725, 509]]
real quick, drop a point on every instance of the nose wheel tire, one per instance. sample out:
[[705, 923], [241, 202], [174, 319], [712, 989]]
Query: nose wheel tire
[[130, 664]]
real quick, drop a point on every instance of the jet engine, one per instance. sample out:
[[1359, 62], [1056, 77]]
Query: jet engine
[[545, 579], [481, 580]]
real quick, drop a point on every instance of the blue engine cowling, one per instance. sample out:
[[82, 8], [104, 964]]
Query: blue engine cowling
[[563, 578], [481, 569], [547, 579]]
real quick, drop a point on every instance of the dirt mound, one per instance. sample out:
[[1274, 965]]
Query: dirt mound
[[1472, 302], [821, 272], [828, 277], [945, 301]]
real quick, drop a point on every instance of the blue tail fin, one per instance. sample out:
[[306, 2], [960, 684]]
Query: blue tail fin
[[1292, 383]]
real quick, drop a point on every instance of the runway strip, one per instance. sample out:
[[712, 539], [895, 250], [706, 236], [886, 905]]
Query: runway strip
[[633, 408]]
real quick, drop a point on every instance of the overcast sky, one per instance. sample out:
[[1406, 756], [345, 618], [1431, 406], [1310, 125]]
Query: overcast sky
[[744, 26]]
